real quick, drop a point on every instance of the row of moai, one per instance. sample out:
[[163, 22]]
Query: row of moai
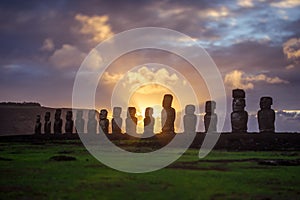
[[239, 118]]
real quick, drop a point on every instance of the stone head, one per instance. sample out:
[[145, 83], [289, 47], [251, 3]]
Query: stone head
[[131, 112], [92, 114], [57, 113], [238, 104], [47, 116], [38, 118], [167, 101], [103, 114], [265, 102], [190, 109], [210, 106], [69, 115], [117, 111], [79, 114], [148, 112]]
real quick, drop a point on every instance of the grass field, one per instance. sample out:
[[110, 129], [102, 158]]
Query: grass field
[[28, 172]]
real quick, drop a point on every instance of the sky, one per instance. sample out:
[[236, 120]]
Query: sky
[[255, 45]]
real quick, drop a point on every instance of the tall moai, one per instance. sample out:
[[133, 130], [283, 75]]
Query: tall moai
[[92, 122], [210, 117], [47, 124], [79, 122], [116, 121], [38, 125], [131, 120], [69, 122], [58, 122], [167, 114], [239, 117], [189, 119], [266, 115], [149, 122], [103, 122]]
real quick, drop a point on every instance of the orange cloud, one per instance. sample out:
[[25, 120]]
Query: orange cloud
[[96, 26], [239, 79], [67, 56]]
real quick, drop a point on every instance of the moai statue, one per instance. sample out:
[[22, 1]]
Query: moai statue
[[103, 122], [189, 119], [149, 122], [167, 115], [58, 122], [131, 120], [266, 115], [239, 117], [47, 124], [79, 122], [69, 122], [116, 121], [38, 125], [92, 122], [210, 118]]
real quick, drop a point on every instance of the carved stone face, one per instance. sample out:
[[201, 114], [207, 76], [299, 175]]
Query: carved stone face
[[210, 106], [131, 112], [266, 102], [57, 114], [148, 112], [69, 115], [92, 114], [47, 116], [38, 118], [167, 101], [238, 104], [117, 111], [79, 114], [103, 114], [190, 109]]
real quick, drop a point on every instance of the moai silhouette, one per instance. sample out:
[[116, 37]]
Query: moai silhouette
[[189, 119], [210, 118], [149, 122], [116, 121], [239, 117], [266, 115], [131, 120], [167, 114], [69, 122], [47, 124], [103, 122], [58, 122], [38, 125], [79, 122], [92, 122]]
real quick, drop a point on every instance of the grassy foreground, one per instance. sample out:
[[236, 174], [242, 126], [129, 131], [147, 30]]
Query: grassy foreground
[[27, 172]]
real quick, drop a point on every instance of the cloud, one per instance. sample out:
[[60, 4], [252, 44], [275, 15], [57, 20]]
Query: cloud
[[245, 3], [290, 67], [214, 13], [239, 79], [67, 56], [48, 45], [291, 49], [96, 26], [141, 78], [286, 4], [109, 78]]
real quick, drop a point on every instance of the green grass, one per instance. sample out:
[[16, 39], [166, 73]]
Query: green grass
[[31, 175]]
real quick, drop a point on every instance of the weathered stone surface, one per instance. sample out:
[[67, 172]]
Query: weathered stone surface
[[117, 121], [103, 122], [168, 115], [189, 119], [266, 115], [79, 122], [131, 120]]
